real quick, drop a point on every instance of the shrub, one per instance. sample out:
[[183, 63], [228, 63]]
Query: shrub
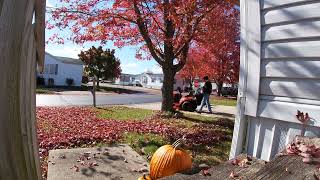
[[85, 80], [40, 81], [50, 82], [69, 81]]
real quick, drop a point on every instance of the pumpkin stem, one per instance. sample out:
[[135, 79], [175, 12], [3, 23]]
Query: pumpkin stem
[[177, 143]]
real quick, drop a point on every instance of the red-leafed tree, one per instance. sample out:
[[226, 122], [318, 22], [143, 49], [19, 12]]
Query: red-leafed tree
[[162, 28], [217, 52]]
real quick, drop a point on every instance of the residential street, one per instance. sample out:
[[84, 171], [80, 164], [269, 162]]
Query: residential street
[[83, 100]]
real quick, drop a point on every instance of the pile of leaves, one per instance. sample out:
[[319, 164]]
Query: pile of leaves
[[60, 128], [310, 153]]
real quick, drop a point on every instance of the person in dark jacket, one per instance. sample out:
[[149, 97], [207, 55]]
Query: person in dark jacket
[[206, 90]]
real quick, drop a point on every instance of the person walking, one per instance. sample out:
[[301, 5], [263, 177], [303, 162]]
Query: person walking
[[206, 90]]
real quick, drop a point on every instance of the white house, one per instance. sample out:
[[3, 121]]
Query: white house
[[155, 81], [151, 80], [148, 80], [279, 74], [127, 79], [60, 69]]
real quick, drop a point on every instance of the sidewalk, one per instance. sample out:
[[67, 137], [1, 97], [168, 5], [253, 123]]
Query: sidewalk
[[83, 93], [217, 110]]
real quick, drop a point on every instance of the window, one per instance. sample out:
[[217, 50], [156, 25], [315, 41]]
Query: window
[[153, 80], [144, 80], [51, 69]]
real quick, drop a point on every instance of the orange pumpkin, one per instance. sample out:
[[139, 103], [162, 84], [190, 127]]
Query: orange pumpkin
[[168, 160]]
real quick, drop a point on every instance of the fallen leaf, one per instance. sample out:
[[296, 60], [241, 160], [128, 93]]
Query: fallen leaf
[[235, 161], [233, 174], [77, 168], [205, 172]]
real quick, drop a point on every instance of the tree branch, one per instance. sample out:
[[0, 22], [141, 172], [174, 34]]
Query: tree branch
[[183, 59], [144, 32], [40, 12], [154, 19], [192, 31], [169, 33]]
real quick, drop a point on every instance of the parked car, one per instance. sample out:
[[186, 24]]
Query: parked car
[[135, 83], [229, 91]]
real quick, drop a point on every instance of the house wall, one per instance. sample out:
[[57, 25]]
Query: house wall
[[157, 84], [73, 71], [125, 79], [281, 37]]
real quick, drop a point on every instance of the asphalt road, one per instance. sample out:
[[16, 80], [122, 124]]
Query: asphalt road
[[83, 100]]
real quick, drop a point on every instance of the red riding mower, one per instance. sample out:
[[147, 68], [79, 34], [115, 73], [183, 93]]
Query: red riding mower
[[186, 103]]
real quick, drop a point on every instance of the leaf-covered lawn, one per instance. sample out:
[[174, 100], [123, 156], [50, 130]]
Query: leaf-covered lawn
[[208, 140]]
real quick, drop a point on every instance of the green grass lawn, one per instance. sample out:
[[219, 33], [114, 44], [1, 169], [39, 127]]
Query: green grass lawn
[[224, 101], [124, 113], [44, 91], [147, 144], [144, 144]]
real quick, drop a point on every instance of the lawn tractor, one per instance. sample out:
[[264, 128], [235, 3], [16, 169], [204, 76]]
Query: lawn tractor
[[186, 103]]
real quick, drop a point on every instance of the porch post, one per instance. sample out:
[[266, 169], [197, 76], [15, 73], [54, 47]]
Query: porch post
[[19, 157]]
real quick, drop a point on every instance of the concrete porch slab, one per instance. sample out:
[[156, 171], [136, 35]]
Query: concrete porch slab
[[112, 162]]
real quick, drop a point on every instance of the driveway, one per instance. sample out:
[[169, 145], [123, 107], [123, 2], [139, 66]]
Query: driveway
[[86, 99]]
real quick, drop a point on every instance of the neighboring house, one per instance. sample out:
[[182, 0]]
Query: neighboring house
[[180, 82], [127, 79], [151, 80], [279, 74], [148, 80], [60, 69]]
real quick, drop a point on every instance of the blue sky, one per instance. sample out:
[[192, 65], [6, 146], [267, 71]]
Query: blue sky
[[129, 63]]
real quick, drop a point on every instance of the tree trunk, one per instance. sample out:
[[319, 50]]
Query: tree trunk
[[94, 91], [219, 88], [191, 84], [167, 89], [19, 157], [97, 81]]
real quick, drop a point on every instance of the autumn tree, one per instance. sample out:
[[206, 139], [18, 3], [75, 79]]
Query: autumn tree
[[217, 49], [164, 29], [194, 68], [101, 63]]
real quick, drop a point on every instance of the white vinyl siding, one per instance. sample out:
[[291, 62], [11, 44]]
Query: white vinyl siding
[[59, 71], [51, 69], [288, 78]]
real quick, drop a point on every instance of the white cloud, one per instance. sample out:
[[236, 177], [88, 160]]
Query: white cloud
[[129, 68], [130, 65], [64, 51]]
